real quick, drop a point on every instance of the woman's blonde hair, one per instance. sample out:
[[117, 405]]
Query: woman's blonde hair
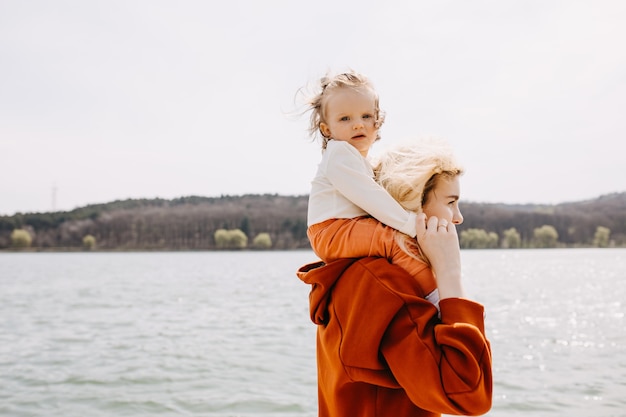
[[316, 102], [410, 171]]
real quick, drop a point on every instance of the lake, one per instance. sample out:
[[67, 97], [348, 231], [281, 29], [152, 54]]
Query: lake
[[228, 333]]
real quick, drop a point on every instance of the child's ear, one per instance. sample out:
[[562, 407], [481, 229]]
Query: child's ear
[[324, 130]]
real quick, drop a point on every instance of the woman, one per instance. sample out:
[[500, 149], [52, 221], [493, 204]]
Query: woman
[[382, 349]]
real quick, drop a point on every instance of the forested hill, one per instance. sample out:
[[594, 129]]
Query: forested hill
[[191, 223]]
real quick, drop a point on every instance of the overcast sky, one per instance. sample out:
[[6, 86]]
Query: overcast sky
[[109, 100]]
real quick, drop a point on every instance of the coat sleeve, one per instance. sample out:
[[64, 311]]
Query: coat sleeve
[[444, 365], [346, 171]]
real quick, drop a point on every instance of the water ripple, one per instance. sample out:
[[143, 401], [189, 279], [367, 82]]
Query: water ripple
[[228, 334]]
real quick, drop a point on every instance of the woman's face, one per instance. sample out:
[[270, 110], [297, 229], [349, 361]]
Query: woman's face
[[443, 201]]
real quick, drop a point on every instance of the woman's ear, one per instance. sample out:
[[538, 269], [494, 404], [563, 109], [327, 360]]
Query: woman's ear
[[324, 130]]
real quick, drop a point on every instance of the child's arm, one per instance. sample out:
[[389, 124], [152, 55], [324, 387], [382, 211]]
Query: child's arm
[[345, 170]]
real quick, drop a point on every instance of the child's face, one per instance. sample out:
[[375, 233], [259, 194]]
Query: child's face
[[350, 116], [443, 201]]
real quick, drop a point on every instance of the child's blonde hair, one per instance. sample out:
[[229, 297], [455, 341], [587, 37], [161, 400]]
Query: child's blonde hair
[[410, 171], [327, 84]]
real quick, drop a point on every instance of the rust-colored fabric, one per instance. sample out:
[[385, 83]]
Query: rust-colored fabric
[[382, 351], [365, 237]]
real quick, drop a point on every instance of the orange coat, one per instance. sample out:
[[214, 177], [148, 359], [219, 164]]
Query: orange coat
[[383, 351]]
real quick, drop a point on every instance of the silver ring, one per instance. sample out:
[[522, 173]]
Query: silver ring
[[442, 225]]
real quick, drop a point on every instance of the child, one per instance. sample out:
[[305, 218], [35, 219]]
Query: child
[[349, 214]]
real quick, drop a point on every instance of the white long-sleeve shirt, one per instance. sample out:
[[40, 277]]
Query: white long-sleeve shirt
[[344, 187]]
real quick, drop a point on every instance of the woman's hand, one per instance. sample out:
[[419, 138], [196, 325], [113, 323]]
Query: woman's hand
[[439, 241]]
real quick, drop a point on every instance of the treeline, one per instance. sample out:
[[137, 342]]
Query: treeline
[[577, 224], [188, 223], [279, 222]]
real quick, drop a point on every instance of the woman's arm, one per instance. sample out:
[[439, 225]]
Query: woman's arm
[[441, 247], [443, 367]]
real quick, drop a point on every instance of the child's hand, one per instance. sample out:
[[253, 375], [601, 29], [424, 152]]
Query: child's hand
[[440, 243]]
